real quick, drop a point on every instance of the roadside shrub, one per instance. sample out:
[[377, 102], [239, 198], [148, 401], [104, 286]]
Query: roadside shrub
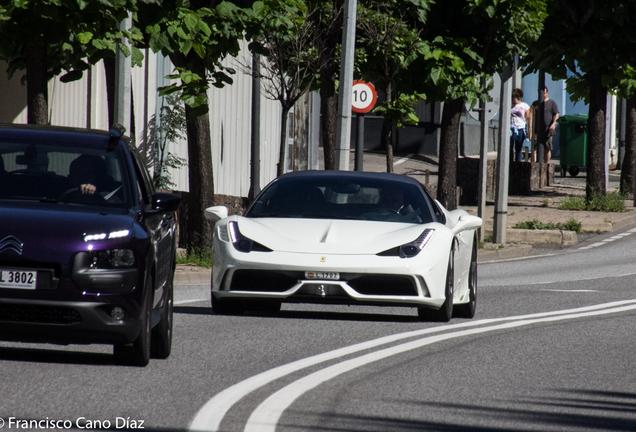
[[201, 257], [570, 225], [612, 202]]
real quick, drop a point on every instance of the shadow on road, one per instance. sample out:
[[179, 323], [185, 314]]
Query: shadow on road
[[567, 410], [53, 356]]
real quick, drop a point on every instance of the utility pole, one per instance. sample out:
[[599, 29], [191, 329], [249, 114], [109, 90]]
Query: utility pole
[[123, 80], [343, 133], [503, 158], [255, 168], [483, 161]]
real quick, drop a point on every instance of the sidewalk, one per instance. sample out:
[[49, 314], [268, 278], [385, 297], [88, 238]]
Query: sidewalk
[[192, 275]]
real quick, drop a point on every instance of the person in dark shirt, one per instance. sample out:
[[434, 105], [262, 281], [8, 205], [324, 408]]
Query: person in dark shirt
[[550, 116]]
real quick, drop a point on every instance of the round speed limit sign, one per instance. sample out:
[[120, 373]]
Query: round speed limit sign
[[364, 97]]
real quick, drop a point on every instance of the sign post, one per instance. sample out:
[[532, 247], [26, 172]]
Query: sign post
[[363, 100]]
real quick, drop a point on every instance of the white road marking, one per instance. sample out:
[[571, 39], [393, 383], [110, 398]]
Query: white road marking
[[573, 291], [607, 240], [265, 417], [593, 245], [517, 259], [401, 161], [180, 302], [210, 416], [485, 285], [633, 230]]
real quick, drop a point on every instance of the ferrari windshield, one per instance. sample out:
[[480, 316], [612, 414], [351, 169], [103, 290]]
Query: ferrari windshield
[[63, 173], [346, 197]]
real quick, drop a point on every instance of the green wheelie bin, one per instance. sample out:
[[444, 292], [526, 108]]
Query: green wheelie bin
[[573, 143]]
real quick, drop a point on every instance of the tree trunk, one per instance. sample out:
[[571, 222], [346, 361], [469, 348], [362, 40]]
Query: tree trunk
[[37, 84], [628, 170], [329, 116], [200, 176], [596, 138], [280, 168], [387, 143], [200, 171], [448, 152]]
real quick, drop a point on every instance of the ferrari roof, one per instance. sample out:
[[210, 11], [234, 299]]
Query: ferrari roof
[[349, 175]]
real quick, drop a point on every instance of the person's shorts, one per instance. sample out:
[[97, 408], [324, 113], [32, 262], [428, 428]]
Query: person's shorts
[[548, 142]]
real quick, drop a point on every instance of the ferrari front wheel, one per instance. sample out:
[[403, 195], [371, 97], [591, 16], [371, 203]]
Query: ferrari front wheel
[[445, 312]]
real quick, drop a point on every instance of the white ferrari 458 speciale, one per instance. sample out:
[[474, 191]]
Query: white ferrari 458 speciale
[[335, 237]]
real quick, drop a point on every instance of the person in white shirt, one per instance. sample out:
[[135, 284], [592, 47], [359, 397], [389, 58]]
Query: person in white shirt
[[519, 116]]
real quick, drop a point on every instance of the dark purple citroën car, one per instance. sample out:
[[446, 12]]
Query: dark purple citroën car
[[87, 245]]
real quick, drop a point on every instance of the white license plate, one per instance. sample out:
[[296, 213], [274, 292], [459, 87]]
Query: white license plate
[[18, 279], [322, 275]]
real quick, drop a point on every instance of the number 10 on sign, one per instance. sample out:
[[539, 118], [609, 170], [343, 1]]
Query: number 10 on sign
[[364, 97]]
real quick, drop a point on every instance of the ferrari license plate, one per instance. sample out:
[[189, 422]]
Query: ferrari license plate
[[18, 279], [322, 275]]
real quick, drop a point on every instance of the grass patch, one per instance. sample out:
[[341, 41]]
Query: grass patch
[[201, 257], [570, 225], [612, 202]]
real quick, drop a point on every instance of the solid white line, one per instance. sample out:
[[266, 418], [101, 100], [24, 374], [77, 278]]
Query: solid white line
[[408, 156], [180, 302], [633, 230], [210, 416], [574, 291], [569, 280], [517, 259], [266, 416]]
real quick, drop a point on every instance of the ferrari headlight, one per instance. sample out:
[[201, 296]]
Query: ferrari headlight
[[240, 242], [113, 258], [410, 250]]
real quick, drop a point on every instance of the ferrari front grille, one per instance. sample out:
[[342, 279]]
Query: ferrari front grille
[[383, 284], [262, 281], [38, 314]]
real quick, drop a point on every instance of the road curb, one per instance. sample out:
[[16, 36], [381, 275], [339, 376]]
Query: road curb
[[514, 235], [192, 275], [507, 251]]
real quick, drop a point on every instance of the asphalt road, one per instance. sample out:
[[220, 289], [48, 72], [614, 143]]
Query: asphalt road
[[551, 349]]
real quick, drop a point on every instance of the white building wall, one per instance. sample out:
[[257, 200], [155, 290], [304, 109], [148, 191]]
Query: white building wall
[[230, 123], [230, 119]]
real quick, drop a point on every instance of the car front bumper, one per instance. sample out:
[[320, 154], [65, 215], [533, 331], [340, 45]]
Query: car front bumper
[[361, 279]]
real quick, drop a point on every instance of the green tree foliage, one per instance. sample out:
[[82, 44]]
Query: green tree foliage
[[284, 35], [197, 35], [591, 45], [48, 37], [468, 39], [387, 44]]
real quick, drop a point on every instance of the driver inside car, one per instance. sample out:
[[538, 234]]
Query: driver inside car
[[84, 173], [391, 199]]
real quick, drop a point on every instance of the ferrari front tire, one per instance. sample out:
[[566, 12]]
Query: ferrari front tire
[[445, 312]]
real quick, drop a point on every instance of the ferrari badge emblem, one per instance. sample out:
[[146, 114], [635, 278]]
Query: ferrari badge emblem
[[323, 259]]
